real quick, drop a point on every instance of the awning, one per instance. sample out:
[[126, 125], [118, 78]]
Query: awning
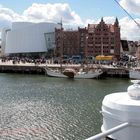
[[103, 57]]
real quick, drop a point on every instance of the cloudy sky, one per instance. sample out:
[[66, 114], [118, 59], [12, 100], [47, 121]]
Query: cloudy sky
[[74, 13]]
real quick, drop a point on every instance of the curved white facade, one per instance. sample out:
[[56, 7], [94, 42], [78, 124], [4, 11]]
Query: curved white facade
[[20, 25], [28, 37], [3, 39]]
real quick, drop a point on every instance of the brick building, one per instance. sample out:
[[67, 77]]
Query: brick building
[[103, 39], [96, 39], [70, 42]]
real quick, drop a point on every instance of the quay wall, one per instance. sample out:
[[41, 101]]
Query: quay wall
[[116, 72], [21, 69], [40, 69]]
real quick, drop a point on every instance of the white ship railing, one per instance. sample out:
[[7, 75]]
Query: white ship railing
[[108, 132]]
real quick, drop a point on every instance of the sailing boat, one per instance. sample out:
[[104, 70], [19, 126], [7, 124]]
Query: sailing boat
[[72, 73]]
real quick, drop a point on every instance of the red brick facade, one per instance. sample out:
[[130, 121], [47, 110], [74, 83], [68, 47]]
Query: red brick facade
[[67, 42], [96, 39]]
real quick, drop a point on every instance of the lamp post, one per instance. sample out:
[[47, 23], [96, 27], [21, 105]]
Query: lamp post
[[86, 48], [101, 42]]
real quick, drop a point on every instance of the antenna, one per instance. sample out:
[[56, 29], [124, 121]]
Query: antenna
[[128, 13]]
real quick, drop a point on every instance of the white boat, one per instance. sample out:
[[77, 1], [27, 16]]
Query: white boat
[[89, 74], [134, 73], [81, 74], [54, 73], [121, 115]]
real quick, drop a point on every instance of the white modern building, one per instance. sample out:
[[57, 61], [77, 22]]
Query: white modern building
[[28, 38], [0, 48]]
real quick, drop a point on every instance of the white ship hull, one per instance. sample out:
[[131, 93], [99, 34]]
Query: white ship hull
[[79, 75]]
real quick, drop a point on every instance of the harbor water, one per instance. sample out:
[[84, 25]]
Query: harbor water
[[36, 107]]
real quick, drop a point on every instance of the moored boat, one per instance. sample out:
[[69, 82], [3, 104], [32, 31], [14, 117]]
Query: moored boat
[[71, 73]]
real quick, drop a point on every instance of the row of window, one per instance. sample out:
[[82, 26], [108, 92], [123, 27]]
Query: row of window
[[100, 33]]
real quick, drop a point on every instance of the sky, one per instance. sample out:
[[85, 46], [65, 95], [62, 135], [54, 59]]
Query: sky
[[73, 13]]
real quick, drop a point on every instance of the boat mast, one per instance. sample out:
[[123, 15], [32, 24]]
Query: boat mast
[[127, 13], [102, 36], [61, 47]]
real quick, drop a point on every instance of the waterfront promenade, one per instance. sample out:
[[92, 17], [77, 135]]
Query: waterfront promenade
[[11, 66], [39, 68]]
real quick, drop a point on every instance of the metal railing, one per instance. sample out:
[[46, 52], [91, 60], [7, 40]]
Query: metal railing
[[108, 132]]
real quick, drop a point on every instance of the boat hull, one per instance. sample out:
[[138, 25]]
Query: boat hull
[[88, 75], [55, 74]]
